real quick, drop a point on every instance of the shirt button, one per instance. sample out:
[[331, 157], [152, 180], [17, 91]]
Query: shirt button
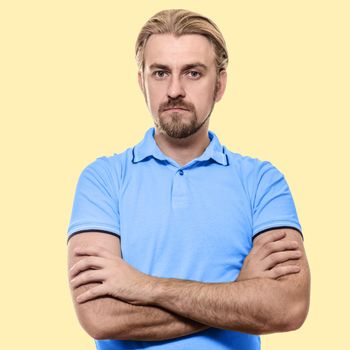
[[181, 172]]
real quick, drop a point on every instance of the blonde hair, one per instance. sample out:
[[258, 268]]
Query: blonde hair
[[180, 22]]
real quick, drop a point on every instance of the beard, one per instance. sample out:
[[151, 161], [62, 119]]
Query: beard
[[177, 125], [180, 124]]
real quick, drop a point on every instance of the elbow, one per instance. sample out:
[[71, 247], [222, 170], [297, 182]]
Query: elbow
[[288, 317], [99, 335], [91, 326], [95, 332], [99, 318], [96, 327], [292, 319], [298, 316]]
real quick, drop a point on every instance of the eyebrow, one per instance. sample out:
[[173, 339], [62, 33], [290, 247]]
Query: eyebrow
[[185, 67]]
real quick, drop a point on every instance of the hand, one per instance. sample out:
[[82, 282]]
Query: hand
[[117, 278], [267, 253]]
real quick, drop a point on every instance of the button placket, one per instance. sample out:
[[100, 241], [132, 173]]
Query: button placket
[[179, 190]]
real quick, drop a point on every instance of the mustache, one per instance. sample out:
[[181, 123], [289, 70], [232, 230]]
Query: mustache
[[175, 104]]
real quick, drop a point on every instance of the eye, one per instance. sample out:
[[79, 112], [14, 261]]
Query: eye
[[194, 74], [159, 73]]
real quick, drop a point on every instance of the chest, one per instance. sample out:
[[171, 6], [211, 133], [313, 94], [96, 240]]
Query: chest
[[182, 225]]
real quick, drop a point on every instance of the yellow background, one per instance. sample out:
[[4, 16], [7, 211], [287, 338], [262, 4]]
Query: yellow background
[[69, 93]]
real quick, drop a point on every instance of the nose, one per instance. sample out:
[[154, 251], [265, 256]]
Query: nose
[[175, 88]]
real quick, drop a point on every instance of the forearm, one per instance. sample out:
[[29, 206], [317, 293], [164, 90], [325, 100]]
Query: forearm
[[256, 306], [110, 318]]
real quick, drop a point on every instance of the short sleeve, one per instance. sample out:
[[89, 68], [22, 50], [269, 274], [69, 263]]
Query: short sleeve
[[273, 205], [95, 205]]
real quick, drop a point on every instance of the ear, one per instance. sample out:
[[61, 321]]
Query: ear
[[221, 82], [140, 79]]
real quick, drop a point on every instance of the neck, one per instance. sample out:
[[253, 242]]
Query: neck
[[183, 150]]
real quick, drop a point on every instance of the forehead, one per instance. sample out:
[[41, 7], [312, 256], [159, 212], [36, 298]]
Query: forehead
[[178, 51]]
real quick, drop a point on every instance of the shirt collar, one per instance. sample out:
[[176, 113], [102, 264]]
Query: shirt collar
[[148, 147]]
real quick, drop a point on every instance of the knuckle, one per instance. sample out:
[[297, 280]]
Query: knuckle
[[287, 254], [292, 253], [277, 234], [274, 273], [274, 258], [292, 244], [100, 250], [92, 291], [76, 250], [89, 274], [269, 247], [89, 261]]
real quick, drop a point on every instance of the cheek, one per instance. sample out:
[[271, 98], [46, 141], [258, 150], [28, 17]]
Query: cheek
[[202, 91], [154, 94], [149, 98], [202, 98]]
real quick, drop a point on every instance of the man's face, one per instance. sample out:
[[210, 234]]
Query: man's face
[[180, 72]]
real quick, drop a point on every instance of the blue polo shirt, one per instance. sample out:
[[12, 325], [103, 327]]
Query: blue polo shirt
[[194, 222]]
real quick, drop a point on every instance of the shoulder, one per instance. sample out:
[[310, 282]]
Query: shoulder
[[255, 174], [249, 167], [114, 162], [107, 169]]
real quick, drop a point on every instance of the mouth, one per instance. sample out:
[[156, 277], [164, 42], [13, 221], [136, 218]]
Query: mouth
[[176, 109]]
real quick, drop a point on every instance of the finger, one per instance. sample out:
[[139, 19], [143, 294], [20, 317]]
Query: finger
[[276, 258], [91, 262], [92, 293], [277, 246], [274, 235], [93, 250], [280, 271], [88, 276]]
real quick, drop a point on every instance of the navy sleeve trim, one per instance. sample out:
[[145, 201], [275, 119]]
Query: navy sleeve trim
[[92, 230], [277, 227]]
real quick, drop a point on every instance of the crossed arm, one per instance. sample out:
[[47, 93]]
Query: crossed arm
[[111, 318], [271, 294]]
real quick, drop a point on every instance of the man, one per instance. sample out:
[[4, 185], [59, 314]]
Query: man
[[179, 243]]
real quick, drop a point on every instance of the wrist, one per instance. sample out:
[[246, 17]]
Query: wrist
[[152, 290]]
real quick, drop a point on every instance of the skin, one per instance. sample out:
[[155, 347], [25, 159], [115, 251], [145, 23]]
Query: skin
[[167, 82], [115, 301], [260, 301], [121, 280], [106, 317]]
